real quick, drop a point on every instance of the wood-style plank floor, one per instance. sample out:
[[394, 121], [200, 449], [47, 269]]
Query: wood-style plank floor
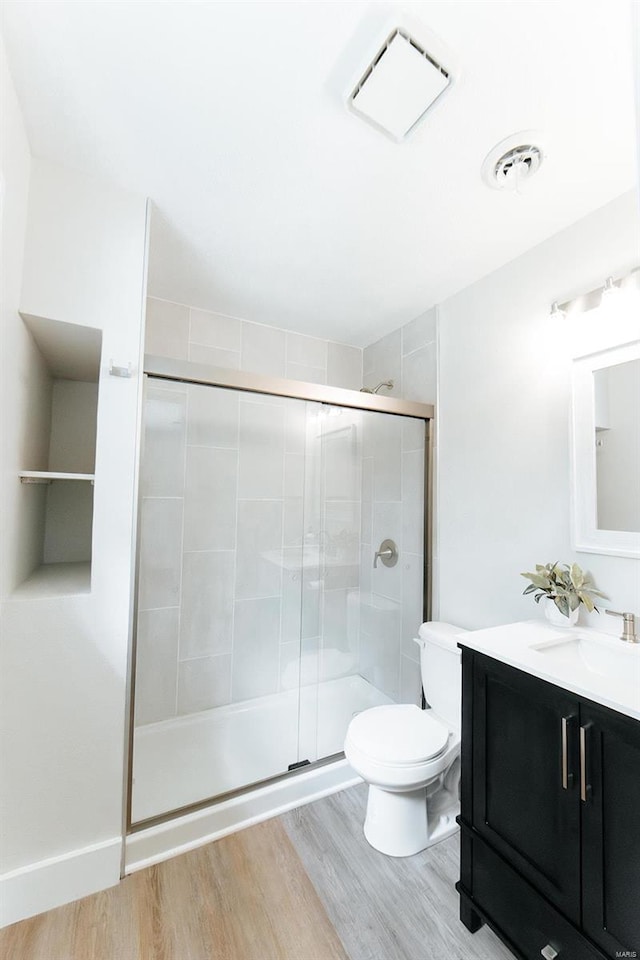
[[384, 908], [304, 886], [245, 897]]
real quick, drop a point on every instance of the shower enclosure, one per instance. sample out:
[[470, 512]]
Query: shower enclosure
[[263, 625]]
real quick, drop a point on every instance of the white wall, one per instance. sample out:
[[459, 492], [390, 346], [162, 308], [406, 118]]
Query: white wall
[[64, 659], [25, 383], [504, 381]]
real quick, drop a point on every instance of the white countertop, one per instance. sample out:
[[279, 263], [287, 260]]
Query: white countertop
[[598, 667]]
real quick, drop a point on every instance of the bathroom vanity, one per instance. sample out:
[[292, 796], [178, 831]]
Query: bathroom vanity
[[550, 796]]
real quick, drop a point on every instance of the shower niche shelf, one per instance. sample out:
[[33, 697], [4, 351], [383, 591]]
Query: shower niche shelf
[[57, 501], [47, 476]]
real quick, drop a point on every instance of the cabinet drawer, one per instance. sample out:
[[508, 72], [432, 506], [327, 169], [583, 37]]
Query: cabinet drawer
[[519, 912]]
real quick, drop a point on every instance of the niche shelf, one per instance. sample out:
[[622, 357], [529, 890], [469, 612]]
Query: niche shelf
[[58, 481], [47, 476]]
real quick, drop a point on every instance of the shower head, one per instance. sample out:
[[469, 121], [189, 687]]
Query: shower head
[[383, 383]]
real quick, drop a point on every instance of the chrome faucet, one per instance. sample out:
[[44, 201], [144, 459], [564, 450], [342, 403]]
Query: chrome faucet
[[629, 634]]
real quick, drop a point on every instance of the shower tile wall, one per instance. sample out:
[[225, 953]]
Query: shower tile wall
[[178, 331], [391, 597], [193, 665], [340, 434], [408, 356]]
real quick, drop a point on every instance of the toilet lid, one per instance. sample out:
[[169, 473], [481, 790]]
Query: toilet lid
[[398, 733]]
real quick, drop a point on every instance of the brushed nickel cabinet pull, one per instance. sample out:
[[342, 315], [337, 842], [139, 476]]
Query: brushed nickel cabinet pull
[[565, 754], [549, 952], [584, 787]]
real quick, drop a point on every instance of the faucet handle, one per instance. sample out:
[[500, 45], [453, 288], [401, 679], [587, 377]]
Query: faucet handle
[[628, 625], [388, 553]]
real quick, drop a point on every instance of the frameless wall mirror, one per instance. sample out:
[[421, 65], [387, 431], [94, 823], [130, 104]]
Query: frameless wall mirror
[[606, 451]]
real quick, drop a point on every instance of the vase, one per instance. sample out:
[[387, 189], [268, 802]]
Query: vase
[[556, 617]]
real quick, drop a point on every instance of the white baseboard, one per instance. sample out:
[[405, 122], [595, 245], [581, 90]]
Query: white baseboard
[[51, 883], [158, 843]]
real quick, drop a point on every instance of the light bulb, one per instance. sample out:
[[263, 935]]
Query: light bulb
[[610, 289]]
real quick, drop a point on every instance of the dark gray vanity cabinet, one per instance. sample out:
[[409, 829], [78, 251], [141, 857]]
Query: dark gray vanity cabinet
[[550, 817], [611, 830]]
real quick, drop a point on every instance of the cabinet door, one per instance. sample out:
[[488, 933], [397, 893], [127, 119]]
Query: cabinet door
[[610, 786], [525, 790]]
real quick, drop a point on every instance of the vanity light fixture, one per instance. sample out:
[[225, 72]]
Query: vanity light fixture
[[593, 298]]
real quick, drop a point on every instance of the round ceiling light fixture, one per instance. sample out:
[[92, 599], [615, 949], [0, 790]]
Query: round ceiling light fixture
[[513, 161]]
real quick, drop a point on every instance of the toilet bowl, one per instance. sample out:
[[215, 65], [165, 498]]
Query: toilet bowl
[[411, 757]]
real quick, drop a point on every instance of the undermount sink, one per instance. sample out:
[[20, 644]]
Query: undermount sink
[[604, 658], [584, 661]]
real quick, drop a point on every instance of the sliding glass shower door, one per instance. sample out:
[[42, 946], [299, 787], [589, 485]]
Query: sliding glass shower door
[[262, 626]]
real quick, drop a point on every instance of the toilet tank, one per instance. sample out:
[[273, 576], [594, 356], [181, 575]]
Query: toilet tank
[[441, 669]]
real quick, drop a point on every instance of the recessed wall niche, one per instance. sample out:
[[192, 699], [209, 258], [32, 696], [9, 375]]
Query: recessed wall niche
[[59, 470]]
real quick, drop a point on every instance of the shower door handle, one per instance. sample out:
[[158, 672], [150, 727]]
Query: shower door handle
[[388, 553]]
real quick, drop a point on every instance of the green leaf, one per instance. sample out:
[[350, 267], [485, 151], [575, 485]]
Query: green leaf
[[586, 599], [576, 575]]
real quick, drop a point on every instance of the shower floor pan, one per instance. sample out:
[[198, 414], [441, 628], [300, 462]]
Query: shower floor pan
[[188, 759]]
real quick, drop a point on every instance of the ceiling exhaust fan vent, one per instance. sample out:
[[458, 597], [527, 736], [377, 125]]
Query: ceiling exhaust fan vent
[[398, 87], [513, 161], [526, 159]]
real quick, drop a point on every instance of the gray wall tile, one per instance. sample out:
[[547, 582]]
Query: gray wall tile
[[419, 375], [344, 366], [305, 372], [412, 434], [167, 329], [382, 361], [207, 604], [263, 349], [259, 555], [256, 642], [214, 356], [339, 643], [412, 613], [417, 333], [291, 603], [160, 553], [156, 665], [210, 499], [311, 351], [213, 416], [412, 501], [410, 682], [379, 654], [215, 330], [165, 412], [204, 683], [261, 463], [387, 462], [299, 664]]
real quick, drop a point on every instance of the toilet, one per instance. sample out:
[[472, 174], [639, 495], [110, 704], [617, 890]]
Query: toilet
[[411, 757]]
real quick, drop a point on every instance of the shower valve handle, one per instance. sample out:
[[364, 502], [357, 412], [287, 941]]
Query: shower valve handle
[[388, 553]]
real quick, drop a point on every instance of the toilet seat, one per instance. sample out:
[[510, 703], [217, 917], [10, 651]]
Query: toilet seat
[[398, 735]]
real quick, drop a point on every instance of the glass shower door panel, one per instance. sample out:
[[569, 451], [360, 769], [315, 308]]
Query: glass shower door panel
[[219, 598], [371, 488]]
